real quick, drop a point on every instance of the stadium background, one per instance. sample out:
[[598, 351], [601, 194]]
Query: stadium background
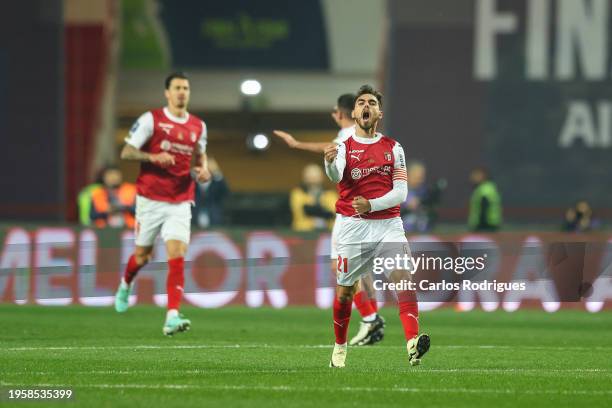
[[517, 86]]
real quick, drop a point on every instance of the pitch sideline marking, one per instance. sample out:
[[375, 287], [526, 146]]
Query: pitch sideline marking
[[301, 389], [213, 371], [276, 346]]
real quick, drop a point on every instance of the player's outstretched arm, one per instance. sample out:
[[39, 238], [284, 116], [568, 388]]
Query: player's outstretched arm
[[296, 144]]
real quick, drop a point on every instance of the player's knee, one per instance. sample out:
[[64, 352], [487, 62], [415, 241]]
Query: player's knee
[[344, 294], [142, 259], [367, 287], [176, 253], [176, 249]]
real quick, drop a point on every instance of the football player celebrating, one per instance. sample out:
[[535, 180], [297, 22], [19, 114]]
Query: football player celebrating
[[370, 170], [371, 328]]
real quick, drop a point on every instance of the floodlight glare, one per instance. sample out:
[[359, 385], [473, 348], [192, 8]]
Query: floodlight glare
[[250, 87]]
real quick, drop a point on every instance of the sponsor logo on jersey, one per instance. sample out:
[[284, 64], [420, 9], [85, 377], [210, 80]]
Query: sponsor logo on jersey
[[165, 145], [166, 127], [356, 174], [356, 151], [178, 148], [382, 170], [387, 156], [182, 149]]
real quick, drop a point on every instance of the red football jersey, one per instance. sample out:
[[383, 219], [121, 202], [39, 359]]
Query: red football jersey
[[371, 166], [159, 131]]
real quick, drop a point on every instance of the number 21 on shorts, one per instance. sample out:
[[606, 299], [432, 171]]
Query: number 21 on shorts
[[342, 264]]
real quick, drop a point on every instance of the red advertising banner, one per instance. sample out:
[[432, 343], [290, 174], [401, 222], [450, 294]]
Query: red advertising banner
[[67, 266]]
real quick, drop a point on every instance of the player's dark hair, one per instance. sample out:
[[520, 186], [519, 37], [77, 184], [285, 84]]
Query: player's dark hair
[[369, 89], [174, 75], [346, 103]]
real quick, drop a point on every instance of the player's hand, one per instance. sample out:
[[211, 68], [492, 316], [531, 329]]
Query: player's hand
[[331, 152], [361, 205], [288, 138], [201, 174], [162, 159]]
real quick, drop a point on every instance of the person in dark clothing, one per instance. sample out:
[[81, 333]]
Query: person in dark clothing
[[210, 197]]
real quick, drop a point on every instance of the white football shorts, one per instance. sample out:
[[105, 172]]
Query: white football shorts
[[359, 241], [173, 220], [334, 237]]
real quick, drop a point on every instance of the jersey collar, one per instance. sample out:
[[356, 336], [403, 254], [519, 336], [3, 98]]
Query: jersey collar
[[367, 140], [176, 119]]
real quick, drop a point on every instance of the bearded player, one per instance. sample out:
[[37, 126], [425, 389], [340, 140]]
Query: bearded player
[[371, 328], [371, 172], [170, 144]]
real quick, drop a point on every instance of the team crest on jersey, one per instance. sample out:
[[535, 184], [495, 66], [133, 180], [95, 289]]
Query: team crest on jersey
[[193, 137], [166, 127], [180, 136], [165, 145], [356, 174], [387, 156]]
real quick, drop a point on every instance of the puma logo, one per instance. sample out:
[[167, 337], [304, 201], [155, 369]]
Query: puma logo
[[413, 316], [341, 325], [354, 157]]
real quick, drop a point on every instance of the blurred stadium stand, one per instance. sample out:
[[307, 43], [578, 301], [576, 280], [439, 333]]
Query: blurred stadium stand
[[104, 63]]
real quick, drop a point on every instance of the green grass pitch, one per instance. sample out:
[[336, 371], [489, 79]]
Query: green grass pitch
[[239, 357]]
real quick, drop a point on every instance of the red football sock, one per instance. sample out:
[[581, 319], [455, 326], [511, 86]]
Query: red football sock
[[363, 303], [342, 316], [175, 282], [374, 304], [131, 270], [409, 313]]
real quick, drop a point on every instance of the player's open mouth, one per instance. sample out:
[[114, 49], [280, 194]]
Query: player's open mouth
[[365, 115]]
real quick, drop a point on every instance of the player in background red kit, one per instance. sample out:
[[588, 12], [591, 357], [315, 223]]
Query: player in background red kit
[[371, 172], [170, 145], [372, 326]]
